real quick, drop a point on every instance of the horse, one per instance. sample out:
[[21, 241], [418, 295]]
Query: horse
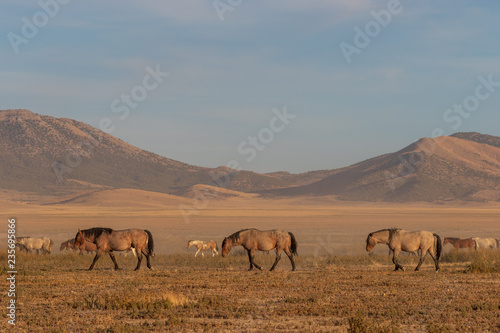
[[109, 240], [407, 241], [485, 243], [67, 245], [70, 244], [40, 244], [201, 245], [21, 245], [384, 239], [254, 240], [460, 243]]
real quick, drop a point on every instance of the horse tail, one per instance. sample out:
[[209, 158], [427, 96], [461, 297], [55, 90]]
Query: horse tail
[[151, 244], [294, 245], [439, 246]]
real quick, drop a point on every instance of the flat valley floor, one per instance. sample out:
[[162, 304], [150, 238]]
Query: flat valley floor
[[337, 287]]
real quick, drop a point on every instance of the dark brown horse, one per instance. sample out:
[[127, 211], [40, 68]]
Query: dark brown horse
[[460, 243], [254, 240], [109, 240]]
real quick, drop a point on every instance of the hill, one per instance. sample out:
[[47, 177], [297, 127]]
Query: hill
[[439, 169], [58, 156], [43, 154]]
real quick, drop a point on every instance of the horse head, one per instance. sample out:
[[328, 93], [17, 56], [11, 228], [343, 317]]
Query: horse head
[[227, 244], [370, 242], [79, 239]]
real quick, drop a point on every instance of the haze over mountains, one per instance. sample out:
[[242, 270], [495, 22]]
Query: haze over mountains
[[58, 156]]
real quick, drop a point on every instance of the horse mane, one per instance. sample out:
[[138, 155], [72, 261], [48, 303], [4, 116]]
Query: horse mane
[[391, 231], [236, 236], [453, 238], [96, 232]]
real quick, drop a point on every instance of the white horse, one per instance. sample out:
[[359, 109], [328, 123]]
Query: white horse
[[486, 243], [29, 244], [201, 245]]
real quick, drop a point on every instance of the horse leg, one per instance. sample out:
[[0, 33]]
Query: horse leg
[[139, 260], [290, 256], [112, 256], [251, 255], [147, 260], [395, 260], [434, 257], [197, 253], [278, 257], [97, 255], [422, 256]]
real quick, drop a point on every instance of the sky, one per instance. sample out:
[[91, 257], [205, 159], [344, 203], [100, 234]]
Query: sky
[[284, 85]]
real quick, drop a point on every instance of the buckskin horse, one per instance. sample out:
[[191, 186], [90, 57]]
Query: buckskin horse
[[109, 240], [254, 240], [408, 241]]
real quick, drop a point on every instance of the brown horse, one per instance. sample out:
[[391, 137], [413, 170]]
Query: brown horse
[[460, 243], [70, 244], [254, 240], [407, 241], [109, 240], [201, 245]]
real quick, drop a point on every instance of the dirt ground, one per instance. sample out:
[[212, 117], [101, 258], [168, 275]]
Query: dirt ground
[[337, 286]]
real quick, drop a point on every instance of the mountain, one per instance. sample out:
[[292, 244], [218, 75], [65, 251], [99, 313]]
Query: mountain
[[43, 154], [479, 138], [64, 157], [465, 166]]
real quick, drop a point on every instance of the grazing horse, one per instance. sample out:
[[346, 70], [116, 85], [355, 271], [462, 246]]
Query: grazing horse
[[485, 243], [460, 243], [41, 244], [70, 244], [201, 245], [109, 240], [67, 245], [254, 240], [407, 241]]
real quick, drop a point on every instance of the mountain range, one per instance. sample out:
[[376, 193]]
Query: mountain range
[[59, 156]]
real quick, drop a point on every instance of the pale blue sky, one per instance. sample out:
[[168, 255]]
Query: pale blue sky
[[226, 76]]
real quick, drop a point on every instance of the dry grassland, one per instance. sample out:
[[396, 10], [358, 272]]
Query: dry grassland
[[337, 287]]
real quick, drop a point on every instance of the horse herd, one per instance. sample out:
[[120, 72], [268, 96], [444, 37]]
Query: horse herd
[[106, 240]]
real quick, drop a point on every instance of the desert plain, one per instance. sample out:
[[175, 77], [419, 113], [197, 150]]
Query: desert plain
[[338, 286]]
